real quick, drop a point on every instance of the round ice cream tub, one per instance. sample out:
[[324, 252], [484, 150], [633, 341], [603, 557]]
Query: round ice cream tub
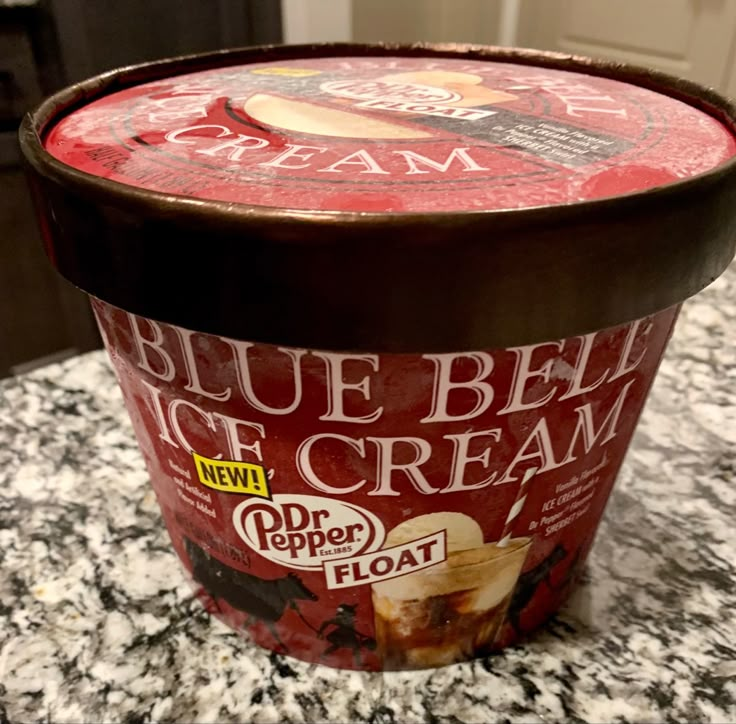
[[384, 318]]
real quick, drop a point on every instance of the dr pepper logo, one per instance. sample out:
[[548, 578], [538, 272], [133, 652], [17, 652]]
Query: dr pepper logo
[[373, 90], [306, 531]]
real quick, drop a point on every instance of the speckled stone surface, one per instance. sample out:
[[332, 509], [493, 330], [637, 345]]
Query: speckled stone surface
[[97, 621]]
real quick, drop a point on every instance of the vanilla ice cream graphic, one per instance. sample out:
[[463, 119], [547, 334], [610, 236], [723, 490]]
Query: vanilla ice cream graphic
[[452, 611]]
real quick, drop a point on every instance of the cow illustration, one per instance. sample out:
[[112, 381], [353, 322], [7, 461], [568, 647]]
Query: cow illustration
[[260, 598], [529, 582], [343, 634]]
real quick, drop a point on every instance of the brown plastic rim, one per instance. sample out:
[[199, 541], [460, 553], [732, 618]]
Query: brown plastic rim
[[383, 282]]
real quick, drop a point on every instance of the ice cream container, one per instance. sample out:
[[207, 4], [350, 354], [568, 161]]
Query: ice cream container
[[384, 317]]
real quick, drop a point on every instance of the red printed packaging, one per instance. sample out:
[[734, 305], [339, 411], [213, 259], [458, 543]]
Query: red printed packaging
[[384, 321]]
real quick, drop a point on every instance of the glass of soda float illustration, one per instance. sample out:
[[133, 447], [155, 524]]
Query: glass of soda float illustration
[[384, 318], [454, 610]]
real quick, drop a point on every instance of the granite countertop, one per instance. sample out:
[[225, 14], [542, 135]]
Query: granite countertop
[[98, 623]]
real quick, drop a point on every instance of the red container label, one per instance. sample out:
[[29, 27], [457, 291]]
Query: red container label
[[382, 510], [391, 134]]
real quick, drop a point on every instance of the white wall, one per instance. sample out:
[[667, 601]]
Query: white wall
[[484, 21], [314, 21]]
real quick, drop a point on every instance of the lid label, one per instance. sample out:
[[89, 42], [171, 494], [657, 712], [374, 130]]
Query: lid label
[[391, 134]]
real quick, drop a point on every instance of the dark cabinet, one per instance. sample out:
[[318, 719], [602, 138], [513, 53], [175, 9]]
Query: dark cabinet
[[97, 35], [43, 46]]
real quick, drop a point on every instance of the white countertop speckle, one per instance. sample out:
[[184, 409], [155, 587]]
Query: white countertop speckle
[[98, 622]]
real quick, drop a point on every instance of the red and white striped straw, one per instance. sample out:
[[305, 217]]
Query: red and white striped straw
[[516, 507]]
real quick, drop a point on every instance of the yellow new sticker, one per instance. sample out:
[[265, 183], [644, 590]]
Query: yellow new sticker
[[229, 476], [291, 72]]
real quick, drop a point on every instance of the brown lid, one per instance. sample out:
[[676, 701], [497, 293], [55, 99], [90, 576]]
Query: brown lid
[[386, 198]]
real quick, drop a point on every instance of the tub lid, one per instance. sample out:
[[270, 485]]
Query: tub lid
[[386, 198]]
